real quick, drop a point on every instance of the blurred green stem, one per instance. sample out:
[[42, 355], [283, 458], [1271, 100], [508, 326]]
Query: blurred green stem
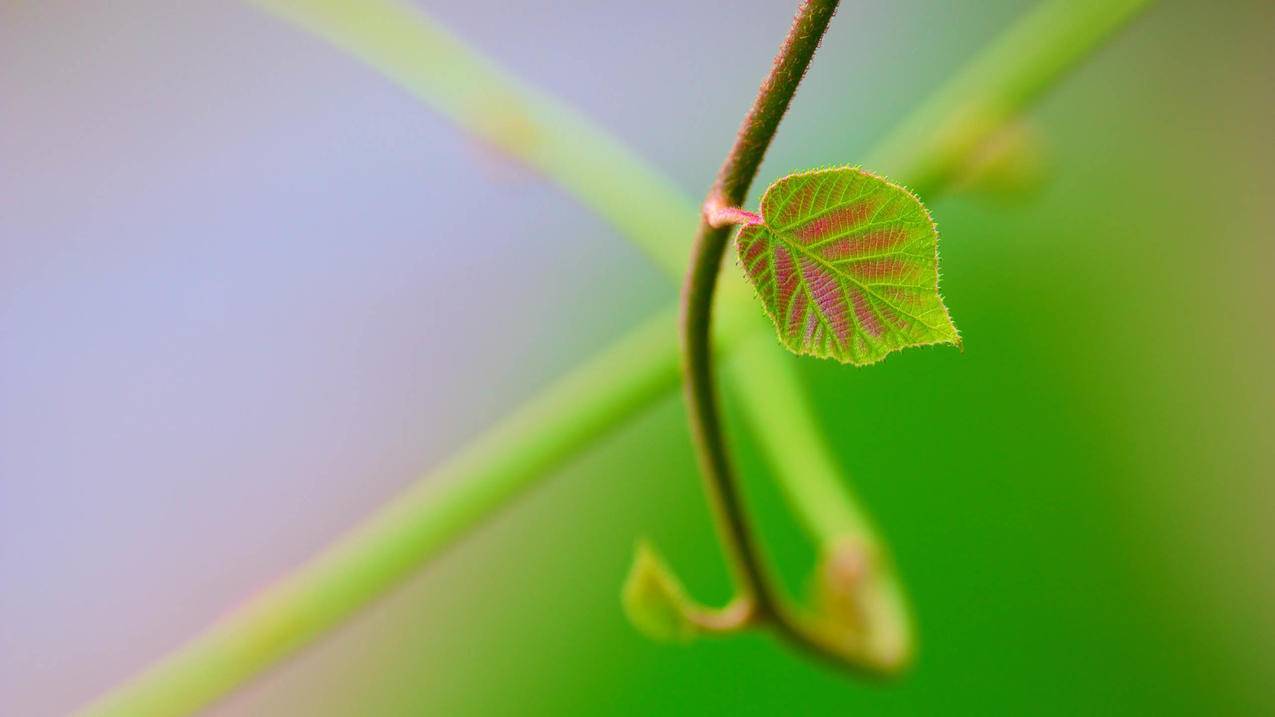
[[938, 140], [415, 526], [603, 392]]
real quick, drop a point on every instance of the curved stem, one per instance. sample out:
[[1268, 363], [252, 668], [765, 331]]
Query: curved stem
[[733, 180]]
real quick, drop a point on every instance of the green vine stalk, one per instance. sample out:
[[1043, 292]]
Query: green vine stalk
[[742, 547], [628, 376], [848, 630]]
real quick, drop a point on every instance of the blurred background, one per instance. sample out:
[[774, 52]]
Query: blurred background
[[249, 289]]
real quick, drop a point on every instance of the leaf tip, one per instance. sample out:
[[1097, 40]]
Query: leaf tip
[[654, 600]]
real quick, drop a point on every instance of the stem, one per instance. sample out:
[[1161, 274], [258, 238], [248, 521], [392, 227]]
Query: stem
[[596, 396], [720, 216], [869, 649], [737, 173], [519, 121]]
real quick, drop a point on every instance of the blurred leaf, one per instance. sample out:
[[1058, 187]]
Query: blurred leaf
[[846, 265], [655, 601]]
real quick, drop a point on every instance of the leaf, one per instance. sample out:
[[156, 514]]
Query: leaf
[[846, 265], [655, 601]]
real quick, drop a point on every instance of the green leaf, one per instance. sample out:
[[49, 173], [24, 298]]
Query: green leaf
[[846, 265], [655, 601]]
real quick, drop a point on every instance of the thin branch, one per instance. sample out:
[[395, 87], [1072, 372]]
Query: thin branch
[[739, 542]]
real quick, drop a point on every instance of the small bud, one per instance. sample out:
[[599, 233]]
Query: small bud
[[655, 601]]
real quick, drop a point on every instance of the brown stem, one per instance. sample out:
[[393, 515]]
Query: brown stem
[[737, 173]]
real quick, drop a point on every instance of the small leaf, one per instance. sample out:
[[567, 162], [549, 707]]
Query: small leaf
[[655, 601], [846, 265]]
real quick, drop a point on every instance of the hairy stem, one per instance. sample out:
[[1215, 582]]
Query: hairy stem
[[737, 173], [609, 388]]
